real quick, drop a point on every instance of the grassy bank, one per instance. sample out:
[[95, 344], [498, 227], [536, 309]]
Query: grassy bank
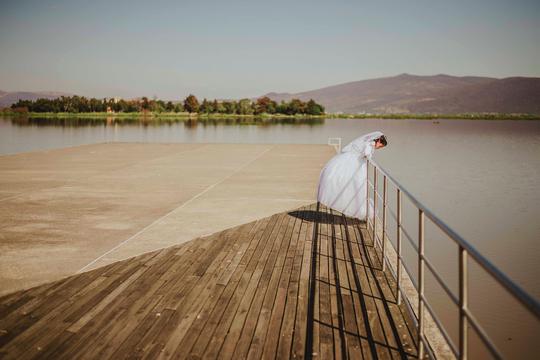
[[465, 116], [156, 116]]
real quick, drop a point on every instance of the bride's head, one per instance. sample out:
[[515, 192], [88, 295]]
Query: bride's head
[[381, 142]]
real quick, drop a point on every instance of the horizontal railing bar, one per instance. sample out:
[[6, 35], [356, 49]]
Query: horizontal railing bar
[[430, 266], [523, 297], [441, 327], [428, 347], [410, 307], [402, 263], [482, 334], [414, 318], [515, 290], [407, 236], [394, 216], [410, 276]]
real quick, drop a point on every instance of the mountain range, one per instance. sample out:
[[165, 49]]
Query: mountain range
[[443, 94], [7, 98]]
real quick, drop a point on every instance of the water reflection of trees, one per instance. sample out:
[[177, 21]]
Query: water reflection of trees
[[189, 122]]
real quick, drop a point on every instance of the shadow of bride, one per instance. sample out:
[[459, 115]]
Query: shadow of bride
[[325, 218]]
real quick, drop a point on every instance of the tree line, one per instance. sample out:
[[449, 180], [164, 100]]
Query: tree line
[[81, 104]]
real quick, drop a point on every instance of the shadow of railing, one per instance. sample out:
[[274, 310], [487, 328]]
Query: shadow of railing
[[349, 301]]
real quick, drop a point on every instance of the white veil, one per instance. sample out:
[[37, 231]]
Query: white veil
[[359, 144]]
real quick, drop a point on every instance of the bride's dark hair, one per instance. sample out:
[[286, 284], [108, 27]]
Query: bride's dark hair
[[383, 140]]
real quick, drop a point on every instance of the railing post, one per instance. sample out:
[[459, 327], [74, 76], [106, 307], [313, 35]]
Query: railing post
[[463, 303], [374, 206], [398, 237], [420, 283], [384, 224], [367, 195]]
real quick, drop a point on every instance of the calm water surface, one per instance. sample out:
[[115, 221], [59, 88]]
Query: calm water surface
[[481, 177]]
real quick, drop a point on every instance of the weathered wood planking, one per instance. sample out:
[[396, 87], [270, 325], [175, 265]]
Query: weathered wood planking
[[304, 284]]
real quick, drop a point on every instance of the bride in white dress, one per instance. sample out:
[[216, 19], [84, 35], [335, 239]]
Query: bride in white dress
[[342, 184]]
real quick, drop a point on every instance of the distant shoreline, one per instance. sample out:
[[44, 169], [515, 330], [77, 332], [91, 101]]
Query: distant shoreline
[[156, 116]]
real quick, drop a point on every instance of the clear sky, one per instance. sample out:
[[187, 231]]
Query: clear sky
[[237, 48]]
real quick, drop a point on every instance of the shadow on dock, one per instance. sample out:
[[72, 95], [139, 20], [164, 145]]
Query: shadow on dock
[[303, 284], [322, 217]]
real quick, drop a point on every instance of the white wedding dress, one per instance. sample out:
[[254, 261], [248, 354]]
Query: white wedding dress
[[343, 182]]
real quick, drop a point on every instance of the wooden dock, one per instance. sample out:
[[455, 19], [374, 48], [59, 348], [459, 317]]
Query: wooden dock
[[303, 284]]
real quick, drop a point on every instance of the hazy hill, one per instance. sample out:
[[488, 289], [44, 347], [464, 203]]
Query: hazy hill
[[8, 98], [421, 94]]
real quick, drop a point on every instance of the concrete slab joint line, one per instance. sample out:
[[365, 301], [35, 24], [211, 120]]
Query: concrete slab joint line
[[174, 210]]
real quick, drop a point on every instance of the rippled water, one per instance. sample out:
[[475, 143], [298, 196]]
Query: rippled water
[[481, 177]]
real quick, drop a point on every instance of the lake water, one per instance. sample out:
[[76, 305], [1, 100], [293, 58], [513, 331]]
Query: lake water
[[481, 177]]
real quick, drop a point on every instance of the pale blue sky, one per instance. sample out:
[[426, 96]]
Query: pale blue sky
[[236, 48]]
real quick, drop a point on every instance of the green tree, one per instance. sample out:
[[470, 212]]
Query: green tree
[[191, 104], [179, 107], [219, 107], [230, 107], [145, 103], [312, 108], [265, 105], [244, 107], [296, 106], [206, 107], [169, 106], [282, 108]]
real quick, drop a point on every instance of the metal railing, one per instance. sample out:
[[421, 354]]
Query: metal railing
[[465, 251]]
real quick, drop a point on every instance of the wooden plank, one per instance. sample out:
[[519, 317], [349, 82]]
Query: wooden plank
[[136, 304], [245, 240], [287, 327], [325, 327], [205, 290], [377, 333], [235, 286], [263, 322], [33, 325], [300, 326], [362, 323], [176, 292], [234, 336], [250, 262], [236, 240], [314, 317], [98, 336], [335, 294], [113, 281], [135, 333], [316, 351], [100, 323], [397, 324], [106, 301], [352, 336], [257, 320], [278, 309]]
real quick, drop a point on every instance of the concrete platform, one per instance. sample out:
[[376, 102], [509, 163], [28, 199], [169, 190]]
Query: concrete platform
[[71, 210]]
